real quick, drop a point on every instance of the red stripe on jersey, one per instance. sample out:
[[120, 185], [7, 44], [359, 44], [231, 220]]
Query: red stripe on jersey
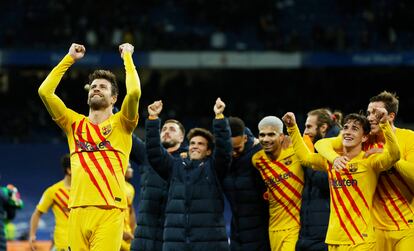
[[401, 179], [85, 166], [387, 211], [104, 156], [102, 138], [349, 196], [284, 168], [96, 163], [347, 214], [277, 199], [389, 198], [276, 174], [397, 191], [61, 209], [64, 203], [338, 215], [349, 175], [64, 193]]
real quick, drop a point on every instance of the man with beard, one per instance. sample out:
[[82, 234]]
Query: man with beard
[[282, 174], [153, 189], [99, 146], [314, 213]]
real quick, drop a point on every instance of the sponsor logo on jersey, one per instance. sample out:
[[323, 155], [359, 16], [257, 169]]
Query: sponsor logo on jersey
[[335, 183]]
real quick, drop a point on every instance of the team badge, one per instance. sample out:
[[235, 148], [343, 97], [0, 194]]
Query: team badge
[[287, 161], [106, 129], [353, 168]]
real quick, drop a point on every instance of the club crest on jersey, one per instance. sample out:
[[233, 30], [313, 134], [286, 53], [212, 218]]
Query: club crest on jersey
[[287, 161], [106, 130], [353, 168]]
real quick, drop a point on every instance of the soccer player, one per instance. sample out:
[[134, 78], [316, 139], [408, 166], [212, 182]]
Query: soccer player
[[129, 221], [244, 189], [282, 173], [194, 217], [352, 189], [314, 213], [393, 206], [55, 197], [99, 145]]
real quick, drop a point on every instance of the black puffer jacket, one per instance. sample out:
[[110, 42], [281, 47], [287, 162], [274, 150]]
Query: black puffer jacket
[[194, 218], [244, 190], [314, 213], [152, 197]]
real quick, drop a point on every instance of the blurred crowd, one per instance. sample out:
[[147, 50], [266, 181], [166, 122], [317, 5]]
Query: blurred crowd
[[284, 25]]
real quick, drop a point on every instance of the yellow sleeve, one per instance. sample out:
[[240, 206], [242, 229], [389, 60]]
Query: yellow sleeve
[[46, 201], [312, 160], [326, 147], [391, 154], [405, 166], [53, 103], [129, 108]]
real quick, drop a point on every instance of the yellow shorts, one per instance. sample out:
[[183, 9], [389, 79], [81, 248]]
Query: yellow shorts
[[93, 228], [358, 247], [284, 240], [402, 240]]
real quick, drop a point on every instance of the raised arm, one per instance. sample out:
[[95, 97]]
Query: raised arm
[[53, 103], [391, 153], [158, 156], [129, 108], [313, 160], [405, 166], [222, 134]]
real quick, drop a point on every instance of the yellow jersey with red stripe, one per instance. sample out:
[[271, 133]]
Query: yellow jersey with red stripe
[[284, 181], [351, 190], [57, 197], [394, 198], [130, 193], [99, 157], [99, 152]]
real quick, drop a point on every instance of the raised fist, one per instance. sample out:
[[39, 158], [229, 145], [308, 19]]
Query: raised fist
[[77, 51], [219, 106], [155, 108], [289, 119], [126, 47]]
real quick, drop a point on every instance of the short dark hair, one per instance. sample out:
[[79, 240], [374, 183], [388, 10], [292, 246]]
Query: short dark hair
[[108, 75], [362, 119], [237, 126], [203, 133], [65, 162], [182, 129], [389, 99]]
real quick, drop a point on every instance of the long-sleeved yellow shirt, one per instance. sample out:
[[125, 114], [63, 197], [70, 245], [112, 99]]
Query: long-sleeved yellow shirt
[[393, 205], [99, 153], [352, 189], [284, 181]]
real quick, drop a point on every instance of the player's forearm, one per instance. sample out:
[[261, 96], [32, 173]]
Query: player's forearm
[[406, 170], [301, 150], [133, 89], [307, 158], [34, 223], [391, 144], [47, 89], [326, 146]]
